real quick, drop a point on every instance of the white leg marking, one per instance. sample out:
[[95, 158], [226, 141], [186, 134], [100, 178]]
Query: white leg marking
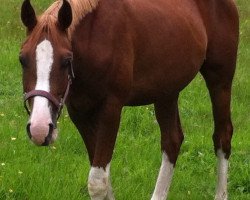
[[110, 195], [164, 179], [98, 184], [221, 190]]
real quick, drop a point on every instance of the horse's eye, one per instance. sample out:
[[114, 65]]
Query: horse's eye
[[66, 62]]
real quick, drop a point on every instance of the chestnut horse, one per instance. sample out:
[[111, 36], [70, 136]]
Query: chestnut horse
[[98, 56]]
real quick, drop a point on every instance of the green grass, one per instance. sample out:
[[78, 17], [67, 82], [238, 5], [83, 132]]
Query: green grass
[[60, 172]]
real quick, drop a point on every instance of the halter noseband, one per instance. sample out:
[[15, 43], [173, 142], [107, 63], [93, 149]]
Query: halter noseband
[[58, 104]]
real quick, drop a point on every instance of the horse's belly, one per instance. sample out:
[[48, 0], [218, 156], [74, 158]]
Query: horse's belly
[[166, 73], [149, 89]]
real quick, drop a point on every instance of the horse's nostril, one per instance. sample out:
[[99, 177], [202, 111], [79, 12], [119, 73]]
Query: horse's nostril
[[49, 136], [46, 143], [28, 130], [51, 126]]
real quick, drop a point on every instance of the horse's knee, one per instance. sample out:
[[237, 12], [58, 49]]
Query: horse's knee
[[222, 138], [98, 183], [172, 145]]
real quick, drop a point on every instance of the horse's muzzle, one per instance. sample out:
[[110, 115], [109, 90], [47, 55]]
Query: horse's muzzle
[[42, 135]]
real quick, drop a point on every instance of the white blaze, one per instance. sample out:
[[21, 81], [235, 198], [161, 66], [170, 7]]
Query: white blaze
[[164, 179], [44, 61]]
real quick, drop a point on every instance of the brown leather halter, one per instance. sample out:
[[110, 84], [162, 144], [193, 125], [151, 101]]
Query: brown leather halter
[[58, 104]]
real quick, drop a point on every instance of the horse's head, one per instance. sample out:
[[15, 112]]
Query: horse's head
[[46, 60]]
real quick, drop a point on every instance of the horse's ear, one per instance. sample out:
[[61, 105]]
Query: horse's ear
[[65, 15], [28, 15]]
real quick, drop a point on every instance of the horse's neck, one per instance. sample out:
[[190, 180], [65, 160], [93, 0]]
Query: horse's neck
[[80, 9]]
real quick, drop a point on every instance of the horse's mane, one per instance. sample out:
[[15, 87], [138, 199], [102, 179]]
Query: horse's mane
[[79, 9]]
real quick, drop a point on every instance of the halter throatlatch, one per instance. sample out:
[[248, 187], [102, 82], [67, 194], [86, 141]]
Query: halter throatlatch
[[57, 103]]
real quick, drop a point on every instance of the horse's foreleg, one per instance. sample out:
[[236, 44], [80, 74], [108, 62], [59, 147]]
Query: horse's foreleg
[[171, 139], [106, 128]]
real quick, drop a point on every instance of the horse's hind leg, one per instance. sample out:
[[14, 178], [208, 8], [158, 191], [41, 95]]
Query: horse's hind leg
[[171, 139], [218, 71], [218, 74]]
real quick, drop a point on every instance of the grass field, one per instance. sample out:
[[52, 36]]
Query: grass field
[[60, 171]]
